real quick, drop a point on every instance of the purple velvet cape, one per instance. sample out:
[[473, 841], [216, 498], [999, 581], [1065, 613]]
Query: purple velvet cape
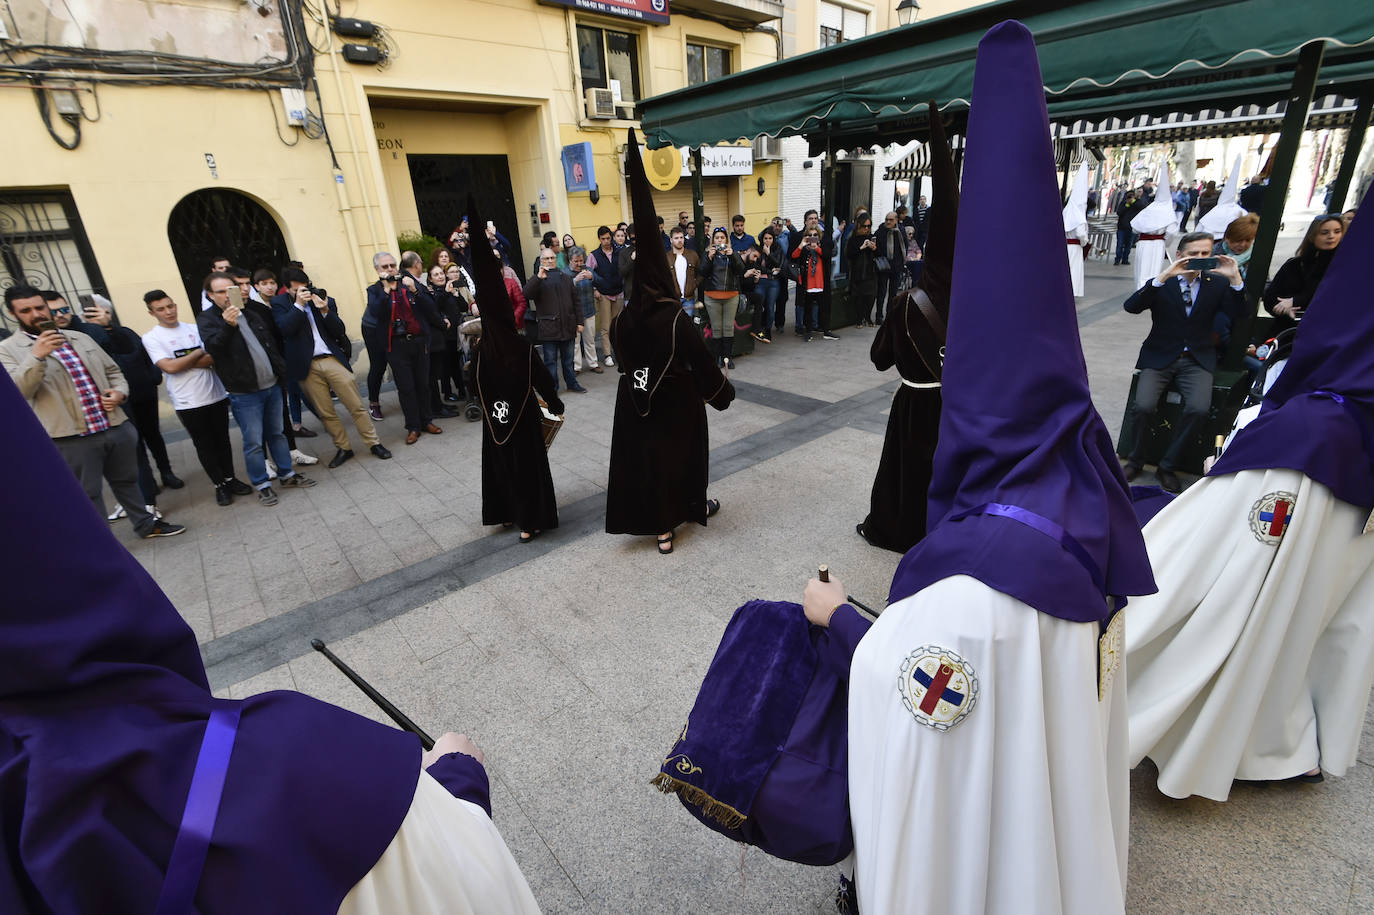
[[763, 757], [1318, 417], [1018, 426], [103, 703], [1148, 502]]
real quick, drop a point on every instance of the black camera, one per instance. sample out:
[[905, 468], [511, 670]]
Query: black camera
[[321, 292], [398, 327]]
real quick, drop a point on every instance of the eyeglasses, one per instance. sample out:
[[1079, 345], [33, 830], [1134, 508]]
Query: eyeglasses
[[63, 310], [386, 266]]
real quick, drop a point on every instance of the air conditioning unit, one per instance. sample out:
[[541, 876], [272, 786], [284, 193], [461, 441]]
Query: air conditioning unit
[[600, 104], [767, 148]]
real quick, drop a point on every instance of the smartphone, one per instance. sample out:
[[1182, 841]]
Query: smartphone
[[87, 301], [45, 325], [491, 225], [1202, 263], [235, 297]]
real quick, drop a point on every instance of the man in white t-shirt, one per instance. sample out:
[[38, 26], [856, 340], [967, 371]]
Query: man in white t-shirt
[[197, 395], [683, 262]]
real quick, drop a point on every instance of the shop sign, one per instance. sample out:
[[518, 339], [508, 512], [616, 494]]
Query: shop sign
[[640, 10]]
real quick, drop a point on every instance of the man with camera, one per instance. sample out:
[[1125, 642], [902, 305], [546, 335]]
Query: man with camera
[[1183, 302], [249, 363], [553, 299], [317, 354], [74, 387], [401, 309]]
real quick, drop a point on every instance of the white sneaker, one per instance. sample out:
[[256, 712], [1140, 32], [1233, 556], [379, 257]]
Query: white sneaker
[[152, 510], [271, 471], [118, 513], [609, 361], [305, 460]]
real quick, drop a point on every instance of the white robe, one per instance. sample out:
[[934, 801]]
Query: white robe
[[1023, 805], [1255, 660], [1076, 260], [446, 858], [1149, 261]]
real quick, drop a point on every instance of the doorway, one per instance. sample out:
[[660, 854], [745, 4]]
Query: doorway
[[442, 183], [853, 187], [207, 223]]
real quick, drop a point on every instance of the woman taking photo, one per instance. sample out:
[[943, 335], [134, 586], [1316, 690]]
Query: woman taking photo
[[769, 284], [720, 270], [1290, 291], [861, 251]]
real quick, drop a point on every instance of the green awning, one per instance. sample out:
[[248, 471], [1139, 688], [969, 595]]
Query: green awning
[[1098, 58]]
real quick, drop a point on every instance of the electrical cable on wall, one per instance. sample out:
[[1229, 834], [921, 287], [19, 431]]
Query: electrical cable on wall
[[45, 112]]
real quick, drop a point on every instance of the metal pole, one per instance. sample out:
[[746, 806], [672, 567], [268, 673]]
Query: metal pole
[[1284, 156], [1346, 173], [699, 201]]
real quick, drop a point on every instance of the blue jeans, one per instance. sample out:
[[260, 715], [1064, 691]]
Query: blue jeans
[[559, 351], [1123, 246], [259, 418], [767, 288]]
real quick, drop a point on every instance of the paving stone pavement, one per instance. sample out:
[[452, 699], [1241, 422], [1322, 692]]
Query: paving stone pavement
[[574, 660]]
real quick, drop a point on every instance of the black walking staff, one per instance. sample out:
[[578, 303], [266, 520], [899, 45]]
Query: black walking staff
[[392, 711]]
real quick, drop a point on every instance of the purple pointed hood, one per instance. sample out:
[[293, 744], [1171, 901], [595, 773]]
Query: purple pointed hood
[[1319, 416], [103, 705], [1027, 495]]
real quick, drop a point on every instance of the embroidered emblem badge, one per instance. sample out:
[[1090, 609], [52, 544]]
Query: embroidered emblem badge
[[500, 411], [1270, 515], [938, 687], [641, 379], [1111, 648]]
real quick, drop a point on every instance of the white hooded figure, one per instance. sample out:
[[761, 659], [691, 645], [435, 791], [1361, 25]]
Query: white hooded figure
[[1153, 224], [1076, 228], [1227, 210]]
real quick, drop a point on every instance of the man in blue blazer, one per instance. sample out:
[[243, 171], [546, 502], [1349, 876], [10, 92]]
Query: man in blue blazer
[[1183, 304], [317, 354]]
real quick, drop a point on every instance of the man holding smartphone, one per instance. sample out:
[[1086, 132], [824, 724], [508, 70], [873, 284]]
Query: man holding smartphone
[[74, 387], [1184, 302], [249, 363], [402, 312]]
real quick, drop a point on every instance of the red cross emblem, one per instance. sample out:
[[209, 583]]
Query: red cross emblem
[[937, 686], [1271, 515]]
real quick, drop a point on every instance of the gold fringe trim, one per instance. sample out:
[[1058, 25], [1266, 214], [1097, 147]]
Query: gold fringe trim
[[723, 814]]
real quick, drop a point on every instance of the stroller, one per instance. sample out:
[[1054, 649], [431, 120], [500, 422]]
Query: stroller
[[469, 333]]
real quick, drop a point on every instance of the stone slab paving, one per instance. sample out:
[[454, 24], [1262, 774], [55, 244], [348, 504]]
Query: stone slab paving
[[573, 661]]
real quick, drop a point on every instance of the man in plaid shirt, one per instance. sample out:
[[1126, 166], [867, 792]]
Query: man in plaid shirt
[[75, 388]]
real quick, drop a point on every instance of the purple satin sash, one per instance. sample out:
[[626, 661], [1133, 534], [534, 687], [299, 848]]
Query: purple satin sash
[[202, 809], [1045, 526]]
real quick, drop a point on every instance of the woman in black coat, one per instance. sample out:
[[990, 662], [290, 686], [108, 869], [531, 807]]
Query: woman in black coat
[[1290, 291], [861, 252]]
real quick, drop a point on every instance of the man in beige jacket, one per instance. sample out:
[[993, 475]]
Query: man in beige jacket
[[75, 388]]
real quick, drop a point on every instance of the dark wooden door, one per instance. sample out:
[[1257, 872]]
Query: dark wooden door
[[217, 221], [442, 185]]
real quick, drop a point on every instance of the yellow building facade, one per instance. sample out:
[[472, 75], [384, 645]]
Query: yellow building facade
[[473, 96]]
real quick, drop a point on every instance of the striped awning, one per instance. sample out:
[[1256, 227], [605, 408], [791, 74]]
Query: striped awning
[[1245, 120], [916, 164]]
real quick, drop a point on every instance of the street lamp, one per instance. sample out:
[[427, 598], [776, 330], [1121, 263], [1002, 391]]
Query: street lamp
[[907, 11]]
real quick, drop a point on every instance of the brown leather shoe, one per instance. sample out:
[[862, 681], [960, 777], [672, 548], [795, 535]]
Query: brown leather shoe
[[599, 370], [412, 437], [433, 429]]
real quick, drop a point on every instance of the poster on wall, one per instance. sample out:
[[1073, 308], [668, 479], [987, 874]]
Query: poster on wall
[[579, 173], [642, 10]]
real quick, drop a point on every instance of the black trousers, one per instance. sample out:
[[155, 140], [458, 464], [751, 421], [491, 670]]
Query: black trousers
[[209, 430], [377, 361], [409, 362], [143, 417], [1194, 385], [451, 372], [143, 412]]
